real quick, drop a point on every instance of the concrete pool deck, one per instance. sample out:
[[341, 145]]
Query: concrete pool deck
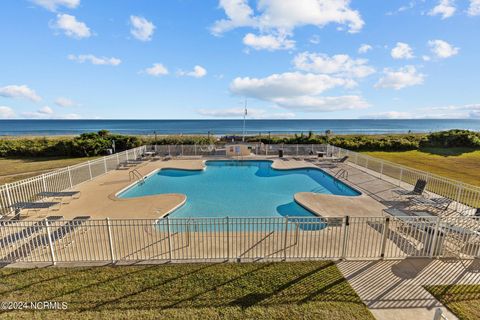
[[98, 196]]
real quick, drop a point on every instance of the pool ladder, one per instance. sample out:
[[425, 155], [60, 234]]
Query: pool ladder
[[342, 173], [135, 175]]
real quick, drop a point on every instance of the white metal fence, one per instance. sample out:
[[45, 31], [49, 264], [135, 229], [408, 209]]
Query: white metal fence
[[30, 189], [466, 197], [237, 239]]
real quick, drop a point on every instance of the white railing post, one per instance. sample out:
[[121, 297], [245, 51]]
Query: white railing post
[[105, 164], [9, 198], [90, 169], [44, 183], [297, 150], [110, 240], [195, 148], [433, 243], [135, 154], [346, 227], [285, 240], [181, 148], [386, 230], [169, 240], [228, 238], [118, 159], [459, 195], [401, 177], [70, 177], [126, 155], [50, 243]]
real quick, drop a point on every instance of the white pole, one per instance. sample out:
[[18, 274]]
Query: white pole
[[110, 241], [50, 243], [70, 177]]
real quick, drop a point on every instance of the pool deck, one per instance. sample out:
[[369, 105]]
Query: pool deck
[[98, 196]]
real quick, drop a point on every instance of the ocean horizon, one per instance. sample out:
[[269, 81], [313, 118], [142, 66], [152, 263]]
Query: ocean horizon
[[43, 127]]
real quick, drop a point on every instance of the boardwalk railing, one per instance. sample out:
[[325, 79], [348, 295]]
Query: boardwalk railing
[[238, 239], [30, 190]]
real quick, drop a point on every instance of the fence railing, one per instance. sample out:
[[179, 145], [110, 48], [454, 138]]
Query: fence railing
[[466, 197], [29, 190], [238, 239]]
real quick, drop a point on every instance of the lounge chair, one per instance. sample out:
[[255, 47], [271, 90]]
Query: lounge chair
[[418, 189], [34, 206], [437, 203], [61, 195], [340, 160]]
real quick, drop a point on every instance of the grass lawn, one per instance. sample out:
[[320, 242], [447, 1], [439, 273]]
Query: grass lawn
[[462, 300], [14, 169], [455, 163], [293, 290]]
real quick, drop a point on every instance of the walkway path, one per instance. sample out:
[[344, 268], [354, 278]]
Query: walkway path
[[395, 289]]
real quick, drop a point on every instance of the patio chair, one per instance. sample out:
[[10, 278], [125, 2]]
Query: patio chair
[[418, 189], [341, 160], [437, 203]]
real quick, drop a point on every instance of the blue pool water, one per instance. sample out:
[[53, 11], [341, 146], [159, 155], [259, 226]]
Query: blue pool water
[[239, 189]]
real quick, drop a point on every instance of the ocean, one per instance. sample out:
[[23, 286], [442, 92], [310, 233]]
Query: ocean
[[230, 127]]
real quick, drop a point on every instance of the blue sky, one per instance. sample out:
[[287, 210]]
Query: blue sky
[[190, 59]]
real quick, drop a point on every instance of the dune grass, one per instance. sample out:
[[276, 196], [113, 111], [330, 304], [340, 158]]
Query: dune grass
[[462, 300], [293, 290], [456, 163], [14, 169]]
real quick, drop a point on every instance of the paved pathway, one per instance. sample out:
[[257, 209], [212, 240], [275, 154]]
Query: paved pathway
[[395, 289]]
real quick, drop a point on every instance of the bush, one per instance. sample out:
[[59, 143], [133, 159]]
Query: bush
[[452, 138]]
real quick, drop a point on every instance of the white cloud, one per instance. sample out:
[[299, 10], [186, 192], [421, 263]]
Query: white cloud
[[70, 116], [71, 26], [340, 64], [65, 102], [52, 5], [402, 51], [268, 42], [285, 16], [156, 70], [364, 48], [6, 113], [442, 49], [426, 58], [445, 8], [45, 110], [239, 112], [94, 60], [322, 104], [142, 29], [289, 84], [19, 91], [470, 111], [197, 72], [298, 91], [474, 8], [401, 78]]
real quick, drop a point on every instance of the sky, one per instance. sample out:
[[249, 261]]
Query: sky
[[191, 59]]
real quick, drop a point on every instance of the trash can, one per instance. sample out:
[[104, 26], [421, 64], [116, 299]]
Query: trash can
[[280, 153]]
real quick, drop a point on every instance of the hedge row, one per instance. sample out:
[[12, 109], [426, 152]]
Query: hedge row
[[93, 144]]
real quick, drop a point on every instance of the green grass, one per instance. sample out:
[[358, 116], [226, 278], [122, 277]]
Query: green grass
[[456, 163], [294, 290], [14, 169], [462, 300]]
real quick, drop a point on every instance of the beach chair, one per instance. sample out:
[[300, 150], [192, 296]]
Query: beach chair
[[441, 204], [418, 189]]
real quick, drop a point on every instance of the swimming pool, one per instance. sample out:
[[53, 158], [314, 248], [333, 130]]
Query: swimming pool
[[239, 189]]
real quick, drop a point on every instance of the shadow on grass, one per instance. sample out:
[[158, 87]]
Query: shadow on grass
[[447, 152]]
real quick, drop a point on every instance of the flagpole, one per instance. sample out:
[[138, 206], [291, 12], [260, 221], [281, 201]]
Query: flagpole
[[244, 119]]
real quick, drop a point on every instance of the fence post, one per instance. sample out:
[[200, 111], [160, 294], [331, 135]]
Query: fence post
[[70, 177], [126, 155], [433, 243], [181, 147], [386, 228], [297, 149], [90, 169], [459, 194], [105, 164], [44, 183], [110, 240], [285, 240], [118, 159], [169, 240], [228, 239], [345, 236], [50, 243], [401, 177], [195, 148], [9, 199]]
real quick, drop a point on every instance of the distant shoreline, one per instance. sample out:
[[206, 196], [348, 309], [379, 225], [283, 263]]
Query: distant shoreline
[[45, 127]]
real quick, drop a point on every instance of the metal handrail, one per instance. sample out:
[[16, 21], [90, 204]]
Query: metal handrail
[[135, 175]]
